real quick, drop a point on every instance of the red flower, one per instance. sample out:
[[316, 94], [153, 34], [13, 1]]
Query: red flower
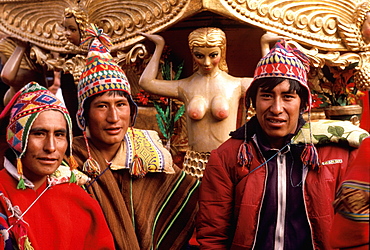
[[316, 101], [164, 100], [143, 97]]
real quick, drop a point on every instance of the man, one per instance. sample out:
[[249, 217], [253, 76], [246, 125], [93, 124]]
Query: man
[[148, 202], [261, 189], [40, 206]]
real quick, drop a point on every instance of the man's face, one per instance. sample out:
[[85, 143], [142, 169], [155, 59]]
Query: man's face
[[278, 112], [108, 120], [47, 144]]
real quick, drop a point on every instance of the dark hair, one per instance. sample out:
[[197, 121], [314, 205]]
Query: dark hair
[[88, 101], [269, 83]]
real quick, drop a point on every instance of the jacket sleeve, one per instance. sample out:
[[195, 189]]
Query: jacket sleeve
[[350, 228], [214, 230]]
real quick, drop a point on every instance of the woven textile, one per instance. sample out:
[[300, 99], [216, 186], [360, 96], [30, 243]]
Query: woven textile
[[148, 146], [30, 101], [284, 61], [100, 74]]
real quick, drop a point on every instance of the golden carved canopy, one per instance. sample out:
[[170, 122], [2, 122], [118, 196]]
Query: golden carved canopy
[[330, 31]]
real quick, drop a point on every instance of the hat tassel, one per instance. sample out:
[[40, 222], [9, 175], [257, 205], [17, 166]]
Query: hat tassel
[[310, 157], [90, 166], [137, 168], [244, 155], [21, 184], [72, 165]]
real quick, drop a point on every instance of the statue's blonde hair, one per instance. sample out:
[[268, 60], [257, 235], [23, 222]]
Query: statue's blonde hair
[[209, 37], [81, 18]]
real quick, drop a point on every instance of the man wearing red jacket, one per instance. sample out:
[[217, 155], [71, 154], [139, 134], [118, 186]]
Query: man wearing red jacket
[[261, 189]]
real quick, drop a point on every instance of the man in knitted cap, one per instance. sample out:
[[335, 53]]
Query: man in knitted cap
[[149, 203], [41, 207], [261, 189]]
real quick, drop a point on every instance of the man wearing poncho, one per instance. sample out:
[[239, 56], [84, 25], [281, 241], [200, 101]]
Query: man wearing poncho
[[147, 200]]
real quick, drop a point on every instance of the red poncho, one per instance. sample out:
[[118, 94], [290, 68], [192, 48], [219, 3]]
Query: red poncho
[[64, 217]]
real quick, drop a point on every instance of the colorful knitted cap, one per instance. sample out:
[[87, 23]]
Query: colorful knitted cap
[[101, 73], [24, 108], [284, 61], [27, 104]]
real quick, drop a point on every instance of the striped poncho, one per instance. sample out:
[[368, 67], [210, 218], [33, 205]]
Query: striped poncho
[[154, 212]]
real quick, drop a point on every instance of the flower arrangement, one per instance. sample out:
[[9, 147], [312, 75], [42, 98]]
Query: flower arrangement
[[332, 86]]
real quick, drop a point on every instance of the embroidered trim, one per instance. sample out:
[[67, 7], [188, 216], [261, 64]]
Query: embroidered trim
[[353, 199]]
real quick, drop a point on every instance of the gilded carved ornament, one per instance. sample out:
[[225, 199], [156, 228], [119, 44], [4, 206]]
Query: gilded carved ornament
[[121, 20], [332, 32]]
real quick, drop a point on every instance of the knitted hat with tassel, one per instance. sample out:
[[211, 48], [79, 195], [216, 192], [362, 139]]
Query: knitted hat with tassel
[[101, 74], [24, 108], [286, 62]]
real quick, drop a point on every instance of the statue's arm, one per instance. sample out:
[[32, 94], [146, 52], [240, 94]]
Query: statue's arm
[[148, 80], [11, 67], [268, 38]]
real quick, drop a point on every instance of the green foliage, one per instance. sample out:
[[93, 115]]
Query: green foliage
[[167, 69], [166, 121]]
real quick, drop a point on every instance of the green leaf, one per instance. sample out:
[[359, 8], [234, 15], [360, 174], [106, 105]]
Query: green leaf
[[166, 71], [363, 136], [168, 114], [179, 113], [179, 71], [342, 100], [161, 126], [159, 111], [336, 130], [322, 139]]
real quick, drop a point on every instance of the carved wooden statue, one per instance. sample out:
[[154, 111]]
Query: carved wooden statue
[[211, 95]]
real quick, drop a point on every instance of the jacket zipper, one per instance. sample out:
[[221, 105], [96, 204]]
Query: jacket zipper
[[281, 206]]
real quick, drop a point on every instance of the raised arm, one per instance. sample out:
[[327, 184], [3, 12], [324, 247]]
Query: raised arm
[[268, 38], [11, 69], [148, 80], [12, 65]]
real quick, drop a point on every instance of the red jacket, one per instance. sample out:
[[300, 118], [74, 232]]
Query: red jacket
[[351, 222], [230, 204]]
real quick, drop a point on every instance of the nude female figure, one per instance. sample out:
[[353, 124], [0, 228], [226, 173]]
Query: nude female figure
[[211, 96]]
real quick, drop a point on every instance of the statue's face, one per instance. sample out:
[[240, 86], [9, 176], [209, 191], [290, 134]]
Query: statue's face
[[366, 29], [72, 31], [207, 58]]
